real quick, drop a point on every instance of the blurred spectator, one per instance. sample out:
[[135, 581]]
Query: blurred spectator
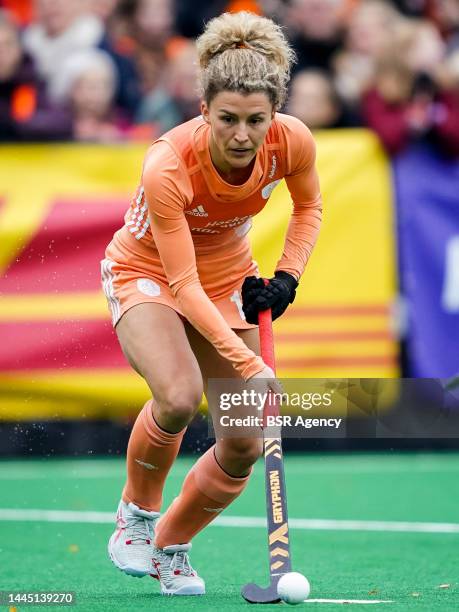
[[25, 111], [370, 33], [386, 103], [181, 81], [119, 28], [157, 106], [173, 95], [64, 27], [412, 8], [314, 100], [87, 85], [153, 23], [103, 9], [448, 74], [22, 10], [410, 100], [60, 30], [275, 10], [190, 17], [420, 45], [316, 31], [445, 13], [234, 6]]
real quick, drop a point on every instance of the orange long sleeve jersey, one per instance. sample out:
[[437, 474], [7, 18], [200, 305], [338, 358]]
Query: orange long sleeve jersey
[[185, 212]]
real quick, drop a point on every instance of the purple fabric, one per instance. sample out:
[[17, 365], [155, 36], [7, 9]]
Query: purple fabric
[[427, 193]]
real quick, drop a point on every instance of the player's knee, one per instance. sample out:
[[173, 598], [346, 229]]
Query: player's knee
[[180, 403], [244, 451]]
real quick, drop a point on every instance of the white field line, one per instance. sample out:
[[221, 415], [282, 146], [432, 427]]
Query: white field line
[[349, 601], [74, 516], [96, 472], [371, 469], [345, 525]]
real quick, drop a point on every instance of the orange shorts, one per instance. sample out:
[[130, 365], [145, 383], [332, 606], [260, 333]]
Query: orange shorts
[[131, 275]]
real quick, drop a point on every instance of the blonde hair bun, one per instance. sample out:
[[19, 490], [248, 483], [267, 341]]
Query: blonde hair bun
[[244, 52]]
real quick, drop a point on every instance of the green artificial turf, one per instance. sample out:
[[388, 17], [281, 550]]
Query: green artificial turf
[[405, 567]]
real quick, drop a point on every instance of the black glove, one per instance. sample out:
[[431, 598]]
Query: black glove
[[257, 296]]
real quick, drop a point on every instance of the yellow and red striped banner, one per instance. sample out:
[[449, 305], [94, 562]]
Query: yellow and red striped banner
[[60, 205], [340, 324]]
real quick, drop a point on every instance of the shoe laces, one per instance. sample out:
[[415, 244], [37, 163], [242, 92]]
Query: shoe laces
[[139, 529], [181, 564]]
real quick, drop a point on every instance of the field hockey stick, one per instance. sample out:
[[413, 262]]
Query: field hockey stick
[[276, 499]]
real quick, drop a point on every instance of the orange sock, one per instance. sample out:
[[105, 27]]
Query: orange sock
[[206, 491], [150, 455]]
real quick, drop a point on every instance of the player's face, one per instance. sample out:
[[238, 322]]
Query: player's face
[[239, 123]]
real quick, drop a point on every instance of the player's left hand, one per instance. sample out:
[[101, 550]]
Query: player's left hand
[[269, 378], [277, 295]]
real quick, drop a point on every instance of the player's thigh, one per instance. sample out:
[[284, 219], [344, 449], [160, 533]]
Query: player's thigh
[[213, 365], [153, 339]]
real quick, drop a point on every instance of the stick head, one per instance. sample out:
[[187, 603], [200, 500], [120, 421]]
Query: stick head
[[254, 594]]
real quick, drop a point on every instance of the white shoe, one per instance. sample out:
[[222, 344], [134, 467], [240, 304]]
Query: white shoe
[[173, 569], [131, 545]]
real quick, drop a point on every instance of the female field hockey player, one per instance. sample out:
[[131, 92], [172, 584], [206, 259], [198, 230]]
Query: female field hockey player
[[173, 277]]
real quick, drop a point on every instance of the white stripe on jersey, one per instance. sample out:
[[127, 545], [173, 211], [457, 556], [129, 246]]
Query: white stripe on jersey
[[109, 290]]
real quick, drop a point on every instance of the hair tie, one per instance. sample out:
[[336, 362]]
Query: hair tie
[[241, 45]]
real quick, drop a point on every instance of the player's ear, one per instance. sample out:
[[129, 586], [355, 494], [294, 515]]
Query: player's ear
[[205, 111]]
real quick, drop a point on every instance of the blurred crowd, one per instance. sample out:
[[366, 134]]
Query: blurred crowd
[[115, 70]]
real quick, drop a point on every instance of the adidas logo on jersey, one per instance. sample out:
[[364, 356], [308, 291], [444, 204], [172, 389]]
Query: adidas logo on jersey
[[197, 212]]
